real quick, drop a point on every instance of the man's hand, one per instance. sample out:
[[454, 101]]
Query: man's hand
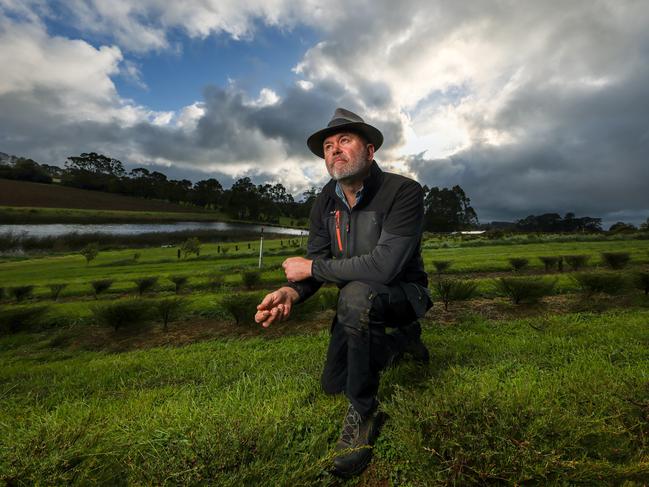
[[297, 268], [276, 306]]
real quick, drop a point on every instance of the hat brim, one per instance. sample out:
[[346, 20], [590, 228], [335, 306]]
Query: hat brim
[[372, 134]]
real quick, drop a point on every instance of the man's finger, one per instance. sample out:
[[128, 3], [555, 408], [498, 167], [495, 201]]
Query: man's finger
[[272, 316], [261, 316], [267, 302], [286, 310], [269, 321]]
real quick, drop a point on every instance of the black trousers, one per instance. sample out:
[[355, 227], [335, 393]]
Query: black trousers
[[365, 338]]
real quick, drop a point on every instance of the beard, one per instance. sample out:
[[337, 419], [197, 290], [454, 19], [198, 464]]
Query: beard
[[354, 167]]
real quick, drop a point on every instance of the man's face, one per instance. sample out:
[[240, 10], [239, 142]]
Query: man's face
[[347, 155]]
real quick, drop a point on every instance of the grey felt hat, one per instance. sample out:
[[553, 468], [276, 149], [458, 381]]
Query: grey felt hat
[[344, 120]]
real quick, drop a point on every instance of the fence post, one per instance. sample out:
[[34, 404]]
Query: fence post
[[261, 248]]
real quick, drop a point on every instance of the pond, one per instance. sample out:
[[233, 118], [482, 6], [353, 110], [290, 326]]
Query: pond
[[58, 229]]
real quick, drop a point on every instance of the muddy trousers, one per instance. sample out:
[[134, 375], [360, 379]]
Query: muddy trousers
[[365, 338]]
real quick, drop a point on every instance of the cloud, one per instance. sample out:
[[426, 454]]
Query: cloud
[[532, 107]]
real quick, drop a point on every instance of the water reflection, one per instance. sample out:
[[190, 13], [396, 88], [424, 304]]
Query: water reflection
[[57, 229]]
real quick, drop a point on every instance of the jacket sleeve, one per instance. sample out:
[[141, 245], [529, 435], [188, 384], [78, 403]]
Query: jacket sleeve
[[318, 247], [399, 238]]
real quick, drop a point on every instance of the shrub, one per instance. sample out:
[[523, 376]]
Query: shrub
[[328, 298], [224, 250], [518, 263], [215, 281], [576, 262], [14, 320], [455, 290], [2, 293], [641, 281], [169, 309], [242, 307], [600, 282], [20, 293], [442, 265], [179, 282], [55, 290], [616, 260], [191, 246], [145, 284], [251, 278], [90, 251], [525, 289], [101, 286], [121, 313], [550, 262]]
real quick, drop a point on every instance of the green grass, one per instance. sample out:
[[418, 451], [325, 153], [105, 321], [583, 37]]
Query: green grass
[[490, 258], [552, 399], [501, 401], [72, 268]]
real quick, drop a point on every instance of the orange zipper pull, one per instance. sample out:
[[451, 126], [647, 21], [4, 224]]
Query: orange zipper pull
[[340, 242]]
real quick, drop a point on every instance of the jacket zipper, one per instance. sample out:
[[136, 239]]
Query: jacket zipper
[[340, 242], [349, 221]]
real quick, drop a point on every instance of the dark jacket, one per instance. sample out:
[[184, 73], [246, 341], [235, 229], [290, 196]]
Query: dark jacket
[[379, 240]]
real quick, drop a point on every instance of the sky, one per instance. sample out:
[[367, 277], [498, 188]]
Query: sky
[[531, 107]]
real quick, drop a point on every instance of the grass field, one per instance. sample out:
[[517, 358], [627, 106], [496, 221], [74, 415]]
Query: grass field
[[550, 393]]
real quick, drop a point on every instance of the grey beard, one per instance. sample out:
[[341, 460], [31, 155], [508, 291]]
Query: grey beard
[[351, 171]]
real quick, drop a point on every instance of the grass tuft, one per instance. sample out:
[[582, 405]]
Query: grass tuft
[[454, 290], [526, 289], [601, 282], [101, 286], [616, 260]]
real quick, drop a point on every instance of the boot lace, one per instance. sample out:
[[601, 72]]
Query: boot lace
[[351, 425]]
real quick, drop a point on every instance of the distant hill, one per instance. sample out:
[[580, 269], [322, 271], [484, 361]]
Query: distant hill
[[28, 194]]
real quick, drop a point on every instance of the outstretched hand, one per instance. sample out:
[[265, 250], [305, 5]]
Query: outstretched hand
[[276, 306]]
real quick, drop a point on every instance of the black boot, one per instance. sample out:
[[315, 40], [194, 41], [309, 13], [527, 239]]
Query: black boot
[[355, 443], [413, 344]]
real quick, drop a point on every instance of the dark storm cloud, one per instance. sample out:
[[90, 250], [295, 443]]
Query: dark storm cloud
[[300, 113]]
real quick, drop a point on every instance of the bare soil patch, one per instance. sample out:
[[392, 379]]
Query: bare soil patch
[[99, 338]]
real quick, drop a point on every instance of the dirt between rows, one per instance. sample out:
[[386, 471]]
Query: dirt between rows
[[39, 195], [99, 338]]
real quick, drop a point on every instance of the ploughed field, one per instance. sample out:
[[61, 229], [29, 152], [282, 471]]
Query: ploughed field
[[27, 202], [552, 390]]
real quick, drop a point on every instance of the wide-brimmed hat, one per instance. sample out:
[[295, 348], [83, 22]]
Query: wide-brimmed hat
[[342, 121]]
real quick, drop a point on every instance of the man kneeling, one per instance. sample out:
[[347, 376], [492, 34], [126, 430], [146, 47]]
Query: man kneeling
[[365, 237]]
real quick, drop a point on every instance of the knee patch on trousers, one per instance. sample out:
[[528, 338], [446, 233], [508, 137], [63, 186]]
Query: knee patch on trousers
[[354, 305]]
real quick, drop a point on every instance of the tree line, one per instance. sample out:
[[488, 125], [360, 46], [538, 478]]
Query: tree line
[[93, 171], [445, 209]]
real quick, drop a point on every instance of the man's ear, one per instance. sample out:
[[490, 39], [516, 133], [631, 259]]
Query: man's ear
[[370, 152]]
